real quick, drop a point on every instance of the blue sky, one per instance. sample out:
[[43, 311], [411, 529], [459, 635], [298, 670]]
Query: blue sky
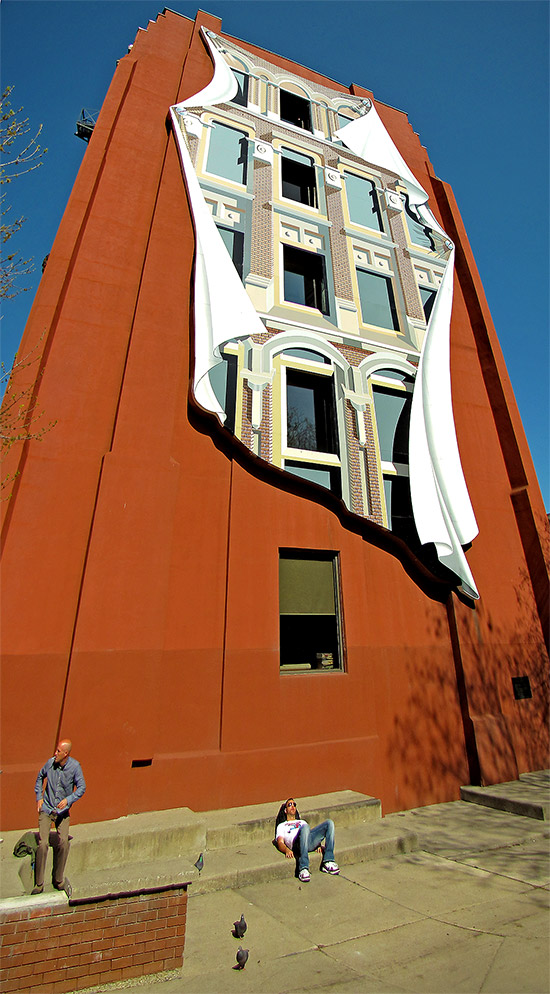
[[472, 77]]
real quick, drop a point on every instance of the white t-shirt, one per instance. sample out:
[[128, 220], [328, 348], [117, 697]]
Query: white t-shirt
[[288, 830]]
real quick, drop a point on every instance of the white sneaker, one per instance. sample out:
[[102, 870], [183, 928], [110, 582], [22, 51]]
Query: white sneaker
[[304, 876], [330, 867]]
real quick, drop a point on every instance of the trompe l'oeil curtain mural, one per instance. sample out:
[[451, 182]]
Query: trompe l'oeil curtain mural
[[441, 505]]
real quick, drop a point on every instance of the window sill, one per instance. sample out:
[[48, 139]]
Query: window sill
[[311, 456]]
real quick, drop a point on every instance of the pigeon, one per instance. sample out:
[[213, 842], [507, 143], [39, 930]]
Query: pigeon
[[199, 863], [242, 956], [239, 928]]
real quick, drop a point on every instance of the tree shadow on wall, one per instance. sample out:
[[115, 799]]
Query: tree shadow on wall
[[434, 741]]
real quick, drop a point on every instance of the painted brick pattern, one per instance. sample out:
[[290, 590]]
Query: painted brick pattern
[[338, 244], [373, 488], [72, 946], [404, 265], [261, 256], [266, 427]]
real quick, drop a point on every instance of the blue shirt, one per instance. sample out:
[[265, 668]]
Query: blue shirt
[[62, 781]]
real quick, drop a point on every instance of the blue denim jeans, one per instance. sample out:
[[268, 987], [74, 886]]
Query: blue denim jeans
[[308, 839]]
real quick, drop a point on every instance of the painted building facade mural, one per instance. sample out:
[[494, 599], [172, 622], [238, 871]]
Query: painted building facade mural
[[323, 295]]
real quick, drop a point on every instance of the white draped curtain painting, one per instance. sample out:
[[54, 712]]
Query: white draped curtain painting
[[441, 505]]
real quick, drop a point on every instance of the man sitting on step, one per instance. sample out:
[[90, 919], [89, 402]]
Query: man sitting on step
[[295, 838]]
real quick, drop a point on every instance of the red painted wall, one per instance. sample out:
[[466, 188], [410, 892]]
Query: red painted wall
[[141, 550]]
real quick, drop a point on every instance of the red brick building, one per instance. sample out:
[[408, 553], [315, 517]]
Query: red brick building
[[218, 574]]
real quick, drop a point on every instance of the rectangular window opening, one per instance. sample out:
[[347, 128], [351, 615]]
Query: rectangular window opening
[[427, 297], [393, 415], [295, 110], [310, 611], [228, 153], [305, 280], [234, 243], [377, 300], [298, 181], [363, 202], [397, 494], [241, 96], [311, 412], [522, 688]]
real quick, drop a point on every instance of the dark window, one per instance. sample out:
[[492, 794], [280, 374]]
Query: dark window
[[377, 300], [310, 412], [393, 415], [298, 181], [241, 96], [522, 688], [309, 610], [295, 110], [397, 493], [305, 278], [428, 300], [223, 379], [228, 153], [363, 202], [234, 243]]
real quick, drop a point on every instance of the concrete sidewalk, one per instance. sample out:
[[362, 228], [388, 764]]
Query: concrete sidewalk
[[466, 912]]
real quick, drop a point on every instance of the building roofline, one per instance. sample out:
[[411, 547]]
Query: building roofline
[[241, 41]]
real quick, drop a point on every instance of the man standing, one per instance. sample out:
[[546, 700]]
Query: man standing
[[58, 785]]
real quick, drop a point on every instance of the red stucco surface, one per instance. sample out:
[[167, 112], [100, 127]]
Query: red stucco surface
[[139, 597]]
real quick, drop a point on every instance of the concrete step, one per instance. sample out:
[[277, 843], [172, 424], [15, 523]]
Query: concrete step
[[541, 778], [251, 862], [245, 864], [138, 846], [256, 822], [529, 796]]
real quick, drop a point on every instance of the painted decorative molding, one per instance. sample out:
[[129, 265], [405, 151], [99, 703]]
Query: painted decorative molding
[[263, 151], [333, 178], [393, 200], [193, 125]]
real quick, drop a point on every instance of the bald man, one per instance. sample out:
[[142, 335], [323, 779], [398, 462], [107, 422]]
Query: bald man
[[58, 785]]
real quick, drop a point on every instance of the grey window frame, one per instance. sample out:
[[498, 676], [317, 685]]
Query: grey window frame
[[299, 630]]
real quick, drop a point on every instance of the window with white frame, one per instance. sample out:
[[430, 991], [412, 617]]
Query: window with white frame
[[305, 278], [377, 299], [228, 153], [310, 615], [295, 110], [362, 201], [298, 178]]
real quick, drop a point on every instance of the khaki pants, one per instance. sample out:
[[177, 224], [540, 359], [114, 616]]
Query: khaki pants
[[60, 849]]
